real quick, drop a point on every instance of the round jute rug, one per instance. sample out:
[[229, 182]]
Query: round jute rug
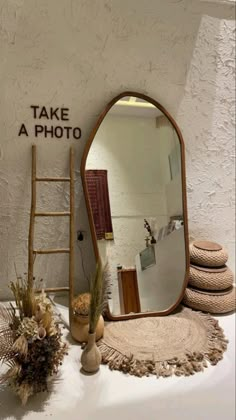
[[179, 344]]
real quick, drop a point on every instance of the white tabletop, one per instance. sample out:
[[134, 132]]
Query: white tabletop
[[113, 395]]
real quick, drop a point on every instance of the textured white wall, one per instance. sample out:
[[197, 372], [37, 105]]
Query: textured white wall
[[82, 53]]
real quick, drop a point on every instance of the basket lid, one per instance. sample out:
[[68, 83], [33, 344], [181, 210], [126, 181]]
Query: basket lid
[[212, 292], [210, 269], [207, 245]]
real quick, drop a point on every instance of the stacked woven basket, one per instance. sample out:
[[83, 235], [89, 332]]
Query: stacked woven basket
[[210, 287]]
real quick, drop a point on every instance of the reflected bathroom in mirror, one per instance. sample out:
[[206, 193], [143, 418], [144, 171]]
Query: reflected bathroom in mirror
[[134, 181]]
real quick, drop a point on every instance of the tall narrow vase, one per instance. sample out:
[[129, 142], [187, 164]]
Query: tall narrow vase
[[91, 357]]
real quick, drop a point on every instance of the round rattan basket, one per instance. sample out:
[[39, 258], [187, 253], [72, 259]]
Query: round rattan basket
[[210, 278], [212, 302], [207, 254]]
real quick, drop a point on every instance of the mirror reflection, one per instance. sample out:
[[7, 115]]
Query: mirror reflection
[[133, 178]]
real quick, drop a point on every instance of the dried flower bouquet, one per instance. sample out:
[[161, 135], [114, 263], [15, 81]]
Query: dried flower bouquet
[[30, 341]]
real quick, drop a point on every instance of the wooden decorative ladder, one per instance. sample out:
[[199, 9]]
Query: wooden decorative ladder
[[33, 252]]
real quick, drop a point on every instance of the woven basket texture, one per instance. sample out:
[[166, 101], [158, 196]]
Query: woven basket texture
[[210, 281], [210, 302], [207, 258]]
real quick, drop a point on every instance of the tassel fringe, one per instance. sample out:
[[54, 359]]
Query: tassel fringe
[[191, 362]]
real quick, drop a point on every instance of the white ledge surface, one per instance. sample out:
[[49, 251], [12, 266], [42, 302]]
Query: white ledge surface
[[115, 396]]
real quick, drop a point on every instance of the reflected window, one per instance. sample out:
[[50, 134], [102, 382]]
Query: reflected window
[[98, 192]]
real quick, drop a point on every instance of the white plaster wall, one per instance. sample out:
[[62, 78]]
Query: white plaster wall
[[173, 187], [82, 53], [174, 196]]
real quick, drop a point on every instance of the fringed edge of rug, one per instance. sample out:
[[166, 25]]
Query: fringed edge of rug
[[192, 363]]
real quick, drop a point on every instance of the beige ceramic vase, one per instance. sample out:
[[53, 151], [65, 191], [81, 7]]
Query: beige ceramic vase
[[80, 328], [91, 357]]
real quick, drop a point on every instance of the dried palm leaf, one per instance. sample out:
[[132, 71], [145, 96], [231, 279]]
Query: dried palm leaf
[[7, 333], [6, 353], [7, 315], [10, 363], [11, 373]]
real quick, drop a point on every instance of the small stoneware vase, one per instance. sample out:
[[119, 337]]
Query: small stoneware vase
[[80, 328], [91, 357]]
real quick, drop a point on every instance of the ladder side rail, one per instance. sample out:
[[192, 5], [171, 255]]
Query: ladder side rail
[[71, 235], [32, 221]]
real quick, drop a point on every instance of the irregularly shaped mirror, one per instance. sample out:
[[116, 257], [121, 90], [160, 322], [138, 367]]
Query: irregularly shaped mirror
[[133, 173]]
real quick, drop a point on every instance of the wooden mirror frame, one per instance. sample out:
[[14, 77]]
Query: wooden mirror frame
[[184, 199]]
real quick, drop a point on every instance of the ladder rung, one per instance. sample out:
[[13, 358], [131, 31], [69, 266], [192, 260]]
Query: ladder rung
[[53, 289], [53, 213], [52, 251], [53, 179]]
